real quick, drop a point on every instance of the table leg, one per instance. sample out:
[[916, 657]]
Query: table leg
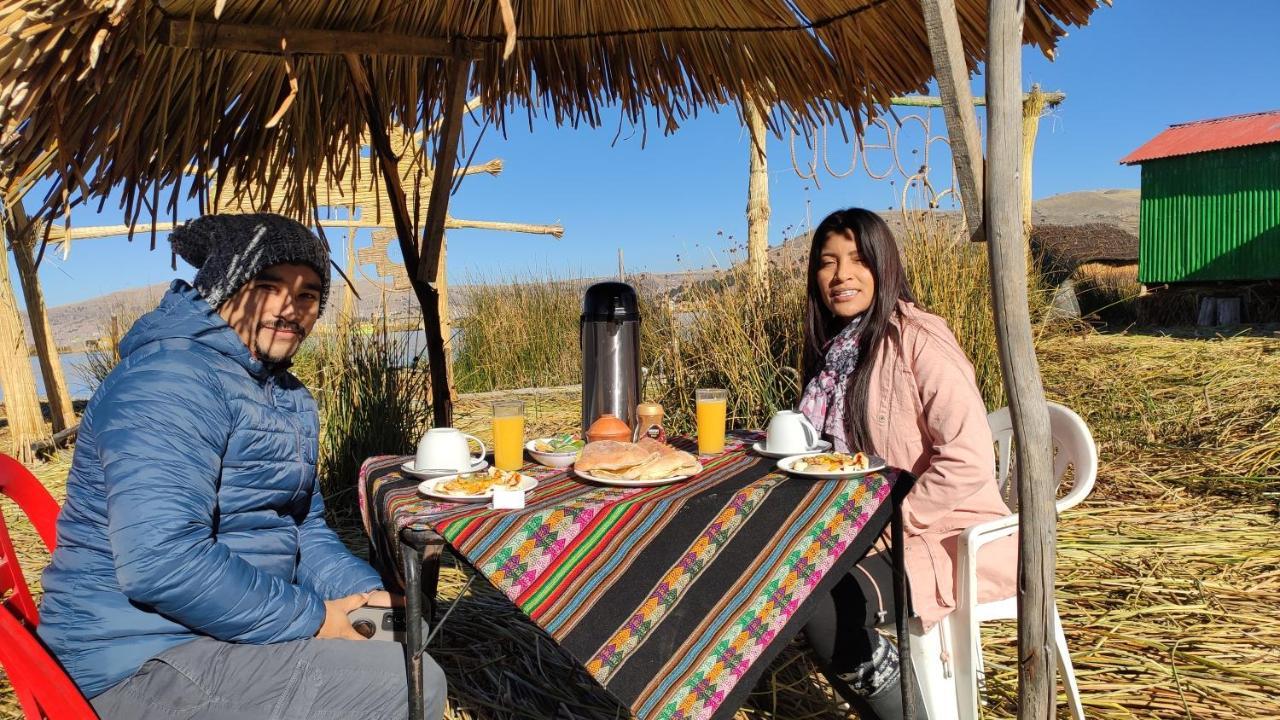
[[430, 559], [902, 600], [412, 562]]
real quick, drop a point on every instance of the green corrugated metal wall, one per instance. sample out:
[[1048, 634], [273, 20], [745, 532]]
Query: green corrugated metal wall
[[1211, 216]]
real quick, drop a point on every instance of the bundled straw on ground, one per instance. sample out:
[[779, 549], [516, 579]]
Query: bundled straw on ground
[[1167, 575]]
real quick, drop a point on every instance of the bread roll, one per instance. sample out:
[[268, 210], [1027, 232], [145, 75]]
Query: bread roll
[[613, 455], [645, 460], [668, 463]]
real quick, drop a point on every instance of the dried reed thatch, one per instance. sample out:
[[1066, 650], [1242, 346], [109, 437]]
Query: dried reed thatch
[[135, 95], [1066, 247]]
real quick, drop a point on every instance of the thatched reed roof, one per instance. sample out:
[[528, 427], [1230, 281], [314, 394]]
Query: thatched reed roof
[[1064, 247], [134, 95]]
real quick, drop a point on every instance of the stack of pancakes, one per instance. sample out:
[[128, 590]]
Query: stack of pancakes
[[644, 460]]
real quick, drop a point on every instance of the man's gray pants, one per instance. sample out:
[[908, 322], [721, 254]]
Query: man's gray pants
[[208, 679]]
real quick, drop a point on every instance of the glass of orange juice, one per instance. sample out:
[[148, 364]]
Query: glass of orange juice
[[712, 411], [508, 434]]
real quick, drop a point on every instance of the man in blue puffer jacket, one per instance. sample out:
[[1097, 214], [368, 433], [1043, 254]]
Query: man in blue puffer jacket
[[194, 575]]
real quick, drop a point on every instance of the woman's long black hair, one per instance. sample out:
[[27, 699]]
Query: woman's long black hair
[[880, 252]]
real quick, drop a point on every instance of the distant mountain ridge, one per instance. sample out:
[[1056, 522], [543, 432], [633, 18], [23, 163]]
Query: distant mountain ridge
[[87, 320]]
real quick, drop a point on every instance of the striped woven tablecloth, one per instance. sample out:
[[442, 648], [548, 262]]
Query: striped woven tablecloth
[[673, 597]]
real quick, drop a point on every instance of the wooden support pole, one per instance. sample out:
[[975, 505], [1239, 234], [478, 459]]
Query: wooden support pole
[[428, 298], [455, 100], [21, 403], [21, 236], [931, 101], [757, 197], [1032, 108], [947, 48], [451, 223], [446, 328], [349, 309], [556, 231], [198, 35], [1034, 468]]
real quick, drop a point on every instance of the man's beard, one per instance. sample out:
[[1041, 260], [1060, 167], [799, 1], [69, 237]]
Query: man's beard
[[264, 353]]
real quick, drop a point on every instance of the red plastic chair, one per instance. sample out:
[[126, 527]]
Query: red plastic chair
[[42, 687]]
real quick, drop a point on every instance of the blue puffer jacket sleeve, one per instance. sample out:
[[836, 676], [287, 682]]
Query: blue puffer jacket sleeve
[[324, 564], [161, 453]]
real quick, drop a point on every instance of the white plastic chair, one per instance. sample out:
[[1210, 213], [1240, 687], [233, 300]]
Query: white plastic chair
[[1074, 449], [948, 658]]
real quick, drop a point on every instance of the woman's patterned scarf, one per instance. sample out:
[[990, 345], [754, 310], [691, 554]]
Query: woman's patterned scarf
[[824, 397]]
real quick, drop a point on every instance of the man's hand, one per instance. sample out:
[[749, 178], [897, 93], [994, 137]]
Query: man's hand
[[384, 599], [336, 623]]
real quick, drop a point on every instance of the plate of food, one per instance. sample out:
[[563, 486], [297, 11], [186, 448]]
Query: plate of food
[[638, 464], [474, 486], [558, 451], [830, 466]]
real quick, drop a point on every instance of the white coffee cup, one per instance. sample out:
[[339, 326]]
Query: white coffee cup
[[446, 449], [790, 432]]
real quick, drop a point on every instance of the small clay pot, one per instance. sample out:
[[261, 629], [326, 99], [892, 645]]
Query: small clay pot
[[608, 427]]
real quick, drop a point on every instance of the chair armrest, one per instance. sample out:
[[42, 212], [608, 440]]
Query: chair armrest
[[969, 543]]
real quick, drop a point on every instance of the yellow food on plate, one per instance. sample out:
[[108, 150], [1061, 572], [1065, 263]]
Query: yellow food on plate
[[832, 463], [478, 483]]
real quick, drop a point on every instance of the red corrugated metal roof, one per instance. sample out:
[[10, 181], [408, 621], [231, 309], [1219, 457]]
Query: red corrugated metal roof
[[1208, 135]]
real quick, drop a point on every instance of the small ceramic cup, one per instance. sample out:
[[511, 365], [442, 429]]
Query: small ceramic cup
[[790, 432], [446, 449]]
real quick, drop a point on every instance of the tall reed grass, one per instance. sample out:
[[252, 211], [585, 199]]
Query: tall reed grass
[[369, 402], [101, 359], [1109, 292], [517, 334], [725, 331]]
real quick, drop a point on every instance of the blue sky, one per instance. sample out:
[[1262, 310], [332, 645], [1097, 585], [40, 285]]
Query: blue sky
[[679, 201]]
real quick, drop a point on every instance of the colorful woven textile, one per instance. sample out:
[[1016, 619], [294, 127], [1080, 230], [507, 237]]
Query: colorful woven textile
[[673, 597]]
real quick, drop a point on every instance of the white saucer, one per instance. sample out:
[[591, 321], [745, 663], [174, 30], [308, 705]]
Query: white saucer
[[821, 447], [408, 469]]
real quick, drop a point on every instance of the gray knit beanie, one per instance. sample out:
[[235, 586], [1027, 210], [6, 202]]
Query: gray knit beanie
[[230, 250]]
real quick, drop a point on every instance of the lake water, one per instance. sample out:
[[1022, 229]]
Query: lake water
[[76, 384], [414, 344]]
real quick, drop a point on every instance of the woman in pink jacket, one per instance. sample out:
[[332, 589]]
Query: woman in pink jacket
[[885, 377]]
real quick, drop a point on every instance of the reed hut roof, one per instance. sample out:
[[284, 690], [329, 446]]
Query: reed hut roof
[[133, 95], [1067, 246]]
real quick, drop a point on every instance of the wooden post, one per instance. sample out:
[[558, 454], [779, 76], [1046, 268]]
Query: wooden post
[[349, 309], [946, 46], [1032, 108], [446, 329], [21, 236], [1052, 97], [455, 100], [428, 297], [757, 198], [21, 403], [1037, 516]]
